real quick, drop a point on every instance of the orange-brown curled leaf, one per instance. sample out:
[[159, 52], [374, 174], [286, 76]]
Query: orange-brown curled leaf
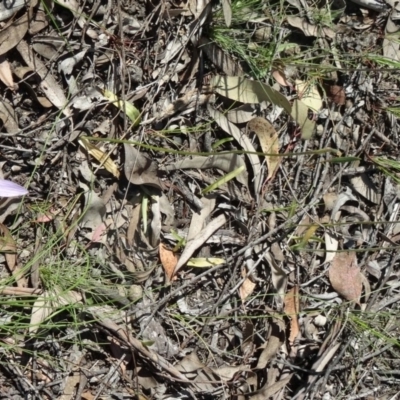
[[345, 276], [168, 260], [292, 306]]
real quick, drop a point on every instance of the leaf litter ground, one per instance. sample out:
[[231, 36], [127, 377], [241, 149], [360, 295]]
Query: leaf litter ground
[[213, 200]]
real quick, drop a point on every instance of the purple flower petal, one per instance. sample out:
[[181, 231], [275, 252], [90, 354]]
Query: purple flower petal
[[11, 189]]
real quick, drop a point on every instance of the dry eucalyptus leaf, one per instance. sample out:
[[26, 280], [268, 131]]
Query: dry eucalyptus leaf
[[220, 58], [364, 185], [310, 29], [243, 140], [103, 158], [269, 142], [47, 303], [227, 10], [331, 245], [6, 74], [155, 223], [309, 95], [94, 210], [247, 287], [269, 389], [247, 91], [139, 169], [280, 77], [241, 115], [8, 117], [271, 348], [6, 11], [279, 279], [292, 309], [224, 162], [13, 33], [48, 47], [53, 91], [300, 114], [39, 22], [199, 219], [345, 276], [195, 243], [168, 260]]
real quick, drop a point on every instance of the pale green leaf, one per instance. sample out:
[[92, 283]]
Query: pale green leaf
[[245, 90]]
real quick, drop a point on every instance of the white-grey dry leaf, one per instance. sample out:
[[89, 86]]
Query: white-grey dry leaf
[[227, 372], [275, 341], [279, 280], [363, 184], [320, 320], [326, 357], [243, 141], [130, 24], [202, 377], [343, 198], [10, 7], [299, 113], [155, 221], [88, 100], [227, 10], [195, 243], [220, 58], [47, 303], [8, 117], [224, 162], [49, 85], [331, 245], [310, 29], [94, 210], [241, 115], [48, 47], [363, 218], [270, 389], [173, 48], [139, 169], [391, 49], [68, 65], [373, 268], [395, 14], [168, 210], [198, 221], [6, 74], [85, 170], [39, 22]]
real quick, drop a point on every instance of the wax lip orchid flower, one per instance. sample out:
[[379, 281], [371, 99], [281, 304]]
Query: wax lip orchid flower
[[11, 189]]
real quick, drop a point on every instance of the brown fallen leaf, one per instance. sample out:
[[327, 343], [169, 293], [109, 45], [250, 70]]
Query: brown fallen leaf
[[337, 94], [168, 260], [247, 287], [292, 307], [345, 276], [269, 142]]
